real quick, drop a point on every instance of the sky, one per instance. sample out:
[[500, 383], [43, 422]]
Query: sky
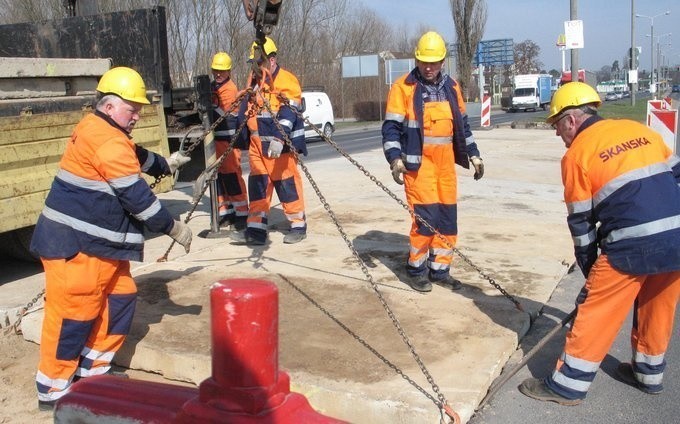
[[606, 26]]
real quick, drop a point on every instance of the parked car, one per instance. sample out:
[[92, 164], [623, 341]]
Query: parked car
[[676, 88], [611, 96], [319, 112]]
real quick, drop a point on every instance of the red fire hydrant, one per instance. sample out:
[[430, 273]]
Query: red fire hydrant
[[246, 386]]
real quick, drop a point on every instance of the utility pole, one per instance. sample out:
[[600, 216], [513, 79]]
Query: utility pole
[[633, 64], [574, 52]]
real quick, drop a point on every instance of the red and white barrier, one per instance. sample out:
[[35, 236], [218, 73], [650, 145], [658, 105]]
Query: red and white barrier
[[486, 111], [664, 120]]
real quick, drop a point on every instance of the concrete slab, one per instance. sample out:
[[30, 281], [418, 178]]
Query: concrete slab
[[512, 229]]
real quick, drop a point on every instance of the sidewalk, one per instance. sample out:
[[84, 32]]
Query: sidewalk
[[511, 226]]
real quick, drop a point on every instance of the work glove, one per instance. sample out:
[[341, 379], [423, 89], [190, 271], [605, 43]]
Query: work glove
[[181, 233], [398, 169], [479, 166], [275, 148], [176, 160]]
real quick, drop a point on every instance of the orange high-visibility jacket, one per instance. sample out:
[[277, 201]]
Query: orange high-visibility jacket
[[99, 203], [403, 127], [224, 95], [286, 84], [622, 195]]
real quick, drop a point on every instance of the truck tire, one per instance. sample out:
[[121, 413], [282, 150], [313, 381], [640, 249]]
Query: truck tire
[[16, 244]]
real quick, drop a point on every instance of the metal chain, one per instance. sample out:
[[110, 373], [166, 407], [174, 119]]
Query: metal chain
[[189, 149], [17, 325], [212, 169], [440, 402], [414, 214], [198, 141]]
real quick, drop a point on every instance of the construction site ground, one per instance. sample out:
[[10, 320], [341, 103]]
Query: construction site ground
[[512, 228]]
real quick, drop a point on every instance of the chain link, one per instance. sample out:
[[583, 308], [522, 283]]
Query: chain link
[[198, 141], [212, 169], [413, 214], [441, 401], [16, 327]]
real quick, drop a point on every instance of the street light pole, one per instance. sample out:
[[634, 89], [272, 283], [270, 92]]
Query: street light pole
[[658, 56], [633, 64], [651, 47]]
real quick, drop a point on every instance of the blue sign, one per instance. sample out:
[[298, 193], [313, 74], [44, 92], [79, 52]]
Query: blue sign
[[495, 52]]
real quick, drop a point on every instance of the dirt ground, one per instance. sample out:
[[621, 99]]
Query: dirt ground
[[18, 363], [17, 392]]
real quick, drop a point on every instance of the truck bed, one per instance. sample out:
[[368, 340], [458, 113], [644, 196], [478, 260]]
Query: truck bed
[[30, 150]]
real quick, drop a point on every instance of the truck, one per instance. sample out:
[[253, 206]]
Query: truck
[[48, 76], [588, 77], [531, 91]]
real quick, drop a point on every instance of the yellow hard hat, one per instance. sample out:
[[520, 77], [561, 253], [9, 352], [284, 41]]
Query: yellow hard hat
[[221, 62], [431, 48], [570, 95], [125, 83], [269, 48]]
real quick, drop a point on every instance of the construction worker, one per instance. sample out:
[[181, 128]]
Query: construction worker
[[272, 164], [232, 197], [425, 134], [89, 230], [623, 203]]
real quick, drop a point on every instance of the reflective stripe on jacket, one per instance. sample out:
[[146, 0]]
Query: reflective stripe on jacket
[[622, 196], [286, 84], [99, 203], [225, 94], [403, 128]]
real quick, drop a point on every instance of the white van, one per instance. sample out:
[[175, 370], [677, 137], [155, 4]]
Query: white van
[[319, 111]]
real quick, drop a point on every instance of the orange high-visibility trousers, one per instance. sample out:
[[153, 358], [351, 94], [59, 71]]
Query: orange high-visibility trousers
[[232, 198], [266, 175], [89, 305], [432, 192], [610, 295]]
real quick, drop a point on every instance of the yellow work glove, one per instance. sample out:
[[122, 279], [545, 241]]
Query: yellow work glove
[[398, 169], [479, 166]]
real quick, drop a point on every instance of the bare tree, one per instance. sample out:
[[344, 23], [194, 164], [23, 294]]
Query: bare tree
[[312, 37], [14, 12], [469, 17], [526, 57]]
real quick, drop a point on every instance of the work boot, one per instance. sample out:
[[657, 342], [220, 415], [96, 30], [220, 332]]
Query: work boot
[[225, 222], [242, 237], [240, 223], [626, 374], [537, 389], [419, 283], [111, 371], [46, 405], [294, 237], [449, 282], [238, 237]]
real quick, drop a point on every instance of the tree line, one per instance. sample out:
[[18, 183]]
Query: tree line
[[312, 36]]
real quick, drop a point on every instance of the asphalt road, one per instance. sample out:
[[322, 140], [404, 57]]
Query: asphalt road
[[609, 400]]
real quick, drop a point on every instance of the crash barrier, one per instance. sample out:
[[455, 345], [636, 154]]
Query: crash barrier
[[246, 386], [662, 118], [486, 112]]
